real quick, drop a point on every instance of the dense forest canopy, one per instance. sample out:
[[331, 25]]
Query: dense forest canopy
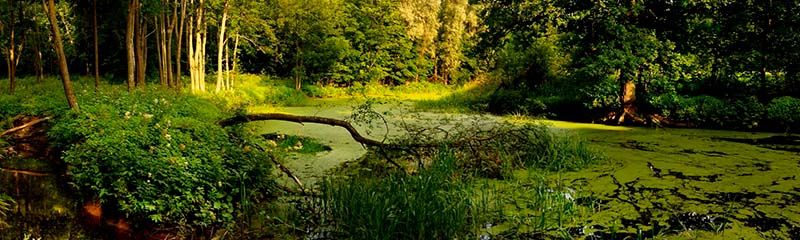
[[664, 55]]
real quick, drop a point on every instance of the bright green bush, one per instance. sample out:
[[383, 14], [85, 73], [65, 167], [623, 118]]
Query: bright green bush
[[785, 111], [161, 158]]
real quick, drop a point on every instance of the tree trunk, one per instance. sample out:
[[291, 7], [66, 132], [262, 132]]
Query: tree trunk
[[62, 58], [96, 48], [221, 45], [159, 53], [11, 58], [190, 37], [201, 66], [197, 44], [628, 100], [178, 48], [141, 49], [37, 62], [173, 19], [235, 57], [763, 93], [297, 66], [227, 67], [131, 52]]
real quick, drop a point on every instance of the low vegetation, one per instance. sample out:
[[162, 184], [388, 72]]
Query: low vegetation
[[156, 158]]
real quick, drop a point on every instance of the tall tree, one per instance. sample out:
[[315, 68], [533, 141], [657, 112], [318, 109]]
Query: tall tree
[[130, 27], [454, 17], [13, 51], [62, 58], [422, 25], [197, 33], [221, 45], [140, 45], [96, 47], [177, 83]]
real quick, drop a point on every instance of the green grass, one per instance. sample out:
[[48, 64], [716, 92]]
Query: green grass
[[434, 204], [298, 144], [470, 97], [411, 91], [250, 89]]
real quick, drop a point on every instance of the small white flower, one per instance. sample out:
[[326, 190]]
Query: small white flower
[[147, 116], [568, 196], [168, 137]]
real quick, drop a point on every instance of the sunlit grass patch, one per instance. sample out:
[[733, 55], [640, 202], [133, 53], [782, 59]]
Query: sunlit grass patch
[[469, 97], [414, 91]]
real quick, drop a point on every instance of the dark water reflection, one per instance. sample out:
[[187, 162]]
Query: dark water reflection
[[44, 208]]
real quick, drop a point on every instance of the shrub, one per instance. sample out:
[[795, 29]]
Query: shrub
[[711, 112], [785, 111], [160, 158]]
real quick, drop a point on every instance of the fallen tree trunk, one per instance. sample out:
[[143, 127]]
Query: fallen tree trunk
[[320, 120], [23, 126], [286, 170], [304, 119], [457, 142], [26, 172]]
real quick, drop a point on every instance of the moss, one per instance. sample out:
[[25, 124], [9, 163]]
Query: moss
[[698, 173]]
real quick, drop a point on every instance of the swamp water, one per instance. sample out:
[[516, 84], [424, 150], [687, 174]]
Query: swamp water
[[662, 183]]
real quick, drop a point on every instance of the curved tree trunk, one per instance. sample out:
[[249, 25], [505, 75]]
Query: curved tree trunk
[[62, 58]]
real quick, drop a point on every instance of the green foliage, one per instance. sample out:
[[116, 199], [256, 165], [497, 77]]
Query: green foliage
[[537, 147], [292, 143], [785, 111], [260, 89], [711, 112], [6, 204], [515, 101], [160, 158], [539, 205], [667, 49], [434, 204], [526, 67]]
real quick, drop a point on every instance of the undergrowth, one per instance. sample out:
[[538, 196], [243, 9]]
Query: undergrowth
[[153, 156], [433, 204]]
